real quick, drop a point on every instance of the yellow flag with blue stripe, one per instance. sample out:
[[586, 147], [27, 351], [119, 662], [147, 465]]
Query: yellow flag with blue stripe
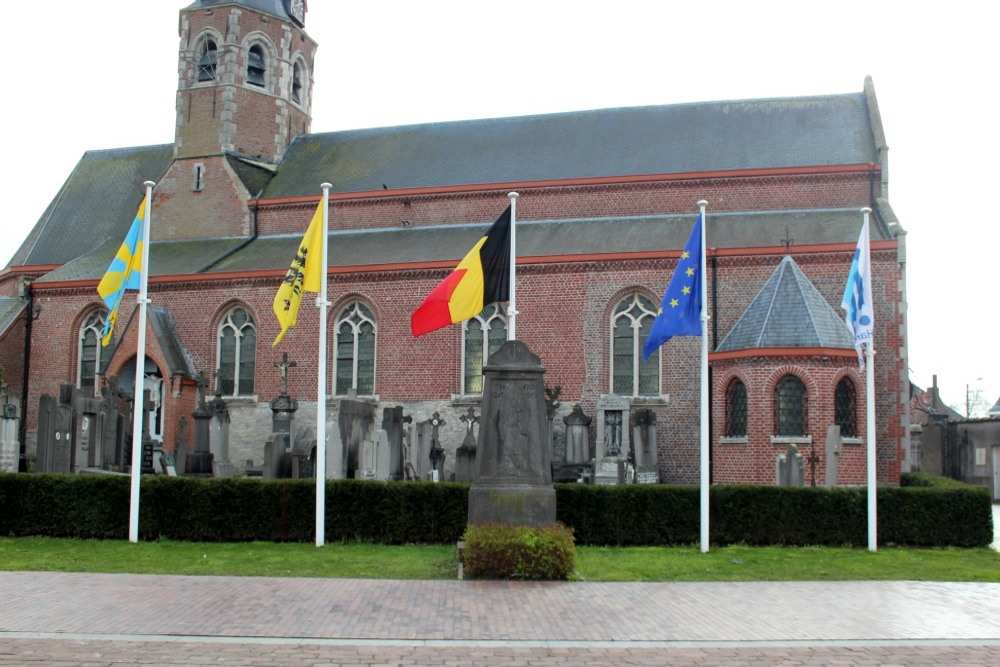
[[124, 273]]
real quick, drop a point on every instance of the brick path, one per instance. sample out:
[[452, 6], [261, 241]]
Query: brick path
[[98, 619]]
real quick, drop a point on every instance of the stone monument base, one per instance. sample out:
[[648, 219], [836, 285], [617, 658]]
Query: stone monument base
[[514, 504], [610, 471]]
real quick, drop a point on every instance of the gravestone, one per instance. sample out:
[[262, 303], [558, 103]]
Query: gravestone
[[200, 460], [647, 467], [9, 447], [791, 468], [283, 407], [465, 455], [512, 482], [382, 455], [112, 425], [46, 433], [576, 466], [436, 453], [612, 447], [393, 422], [356, 419], [218, 435], [275, 450], [420, 453], [303, 456], [147, 438], [834, 445], [410, 447], [180, 447], [334, 451]]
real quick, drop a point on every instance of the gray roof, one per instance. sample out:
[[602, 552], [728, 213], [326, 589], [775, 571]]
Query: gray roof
[[399, 245], [788, 312], [682, 138], [170, 342], [97, 202], [10, 308], [272, 7]]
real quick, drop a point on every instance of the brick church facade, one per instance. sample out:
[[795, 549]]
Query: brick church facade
[[606, 201]]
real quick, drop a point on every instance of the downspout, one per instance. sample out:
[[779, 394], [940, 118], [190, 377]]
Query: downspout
[[29, 316]]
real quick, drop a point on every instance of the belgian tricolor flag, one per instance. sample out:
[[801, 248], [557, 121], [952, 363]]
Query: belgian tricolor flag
[[480, 279]]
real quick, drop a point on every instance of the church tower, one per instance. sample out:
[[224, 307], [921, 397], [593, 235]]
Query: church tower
[[244, 77], [244, 91]]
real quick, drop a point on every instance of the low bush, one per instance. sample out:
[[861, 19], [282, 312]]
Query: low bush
[[498, 550]]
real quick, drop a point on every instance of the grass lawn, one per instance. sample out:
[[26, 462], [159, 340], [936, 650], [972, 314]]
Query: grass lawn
[[369, 561]]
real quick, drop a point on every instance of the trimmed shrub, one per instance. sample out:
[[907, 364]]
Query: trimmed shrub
[[498, 550]]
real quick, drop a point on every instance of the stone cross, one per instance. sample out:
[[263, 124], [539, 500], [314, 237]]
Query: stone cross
[[437, 451], [202, 382], [470, 418], [284, 365]]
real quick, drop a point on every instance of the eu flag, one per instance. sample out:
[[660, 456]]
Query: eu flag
[[680, 310]]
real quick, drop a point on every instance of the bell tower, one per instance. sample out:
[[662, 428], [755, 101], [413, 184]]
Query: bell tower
[[245, 72]]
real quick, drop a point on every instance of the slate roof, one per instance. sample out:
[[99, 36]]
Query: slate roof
[[699, 137], [584, 236], [96, 203], [10, 308], [788, 312], [272, 7], [170, 342]]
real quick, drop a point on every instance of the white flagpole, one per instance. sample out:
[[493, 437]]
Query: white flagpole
[[323, 305], [512, 304], [139, 406], [705, 463], [870, 409]]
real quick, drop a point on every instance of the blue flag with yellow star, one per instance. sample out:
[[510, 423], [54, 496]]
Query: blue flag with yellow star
[[680, 311]]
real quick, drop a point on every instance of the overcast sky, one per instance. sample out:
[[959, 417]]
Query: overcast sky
[[98, 75]]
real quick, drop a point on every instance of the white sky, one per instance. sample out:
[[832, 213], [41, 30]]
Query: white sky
[[102, 74]]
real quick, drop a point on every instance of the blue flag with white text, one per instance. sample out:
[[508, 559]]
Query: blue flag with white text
[[857, 301], [680, 310]]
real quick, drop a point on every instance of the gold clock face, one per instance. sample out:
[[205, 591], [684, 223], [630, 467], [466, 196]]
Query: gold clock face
[[298, 10]]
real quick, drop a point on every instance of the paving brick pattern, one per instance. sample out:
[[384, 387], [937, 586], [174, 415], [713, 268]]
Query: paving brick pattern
[[100, 619]]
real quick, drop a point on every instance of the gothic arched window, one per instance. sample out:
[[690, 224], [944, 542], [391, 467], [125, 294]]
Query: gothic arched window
[[93, 357], [256, 66], [844, 405], [483, 335], [790, 406], [736, 409], [208, 60], [237, 353], [355, 350], [630, 375], [297, 77]]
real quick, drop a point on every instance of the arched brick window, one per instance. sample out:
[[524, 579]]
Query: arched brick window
[[630, 323], [845, 408], [208, 60], [736, 409], [790, 406], [255, 66], [355, 346], [92, 356], [237, 353], [482, 336], [298, 77]]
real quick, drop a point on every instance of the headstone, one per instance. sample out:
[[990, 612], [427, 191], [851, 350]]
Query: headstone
[[647, 467], [274, 456], [63, 449], [465, 455], [513, 478], [421, 451], [382, 455], [147, 439], [303, 458], [111, 425], [218, 436], [834, 445], [334, 451], [436, 453], [180, 447], [576, 464], [9, 446], [200, 460], [410, 447], [366, 466], [612, 439], [393, 421], [791, 468], [46, 433], [356, 418], [283, 407]]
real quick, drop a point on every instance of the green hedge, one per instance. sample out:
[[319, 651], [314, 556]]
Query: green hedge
[[236, 510]]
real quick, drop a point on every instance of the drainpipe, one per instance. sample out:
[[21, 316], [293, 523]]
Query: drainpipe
[[29, 317]]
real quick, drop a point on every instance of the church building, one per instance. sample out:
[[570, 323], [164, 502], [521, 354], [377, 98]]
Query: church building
[[607, 199]]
